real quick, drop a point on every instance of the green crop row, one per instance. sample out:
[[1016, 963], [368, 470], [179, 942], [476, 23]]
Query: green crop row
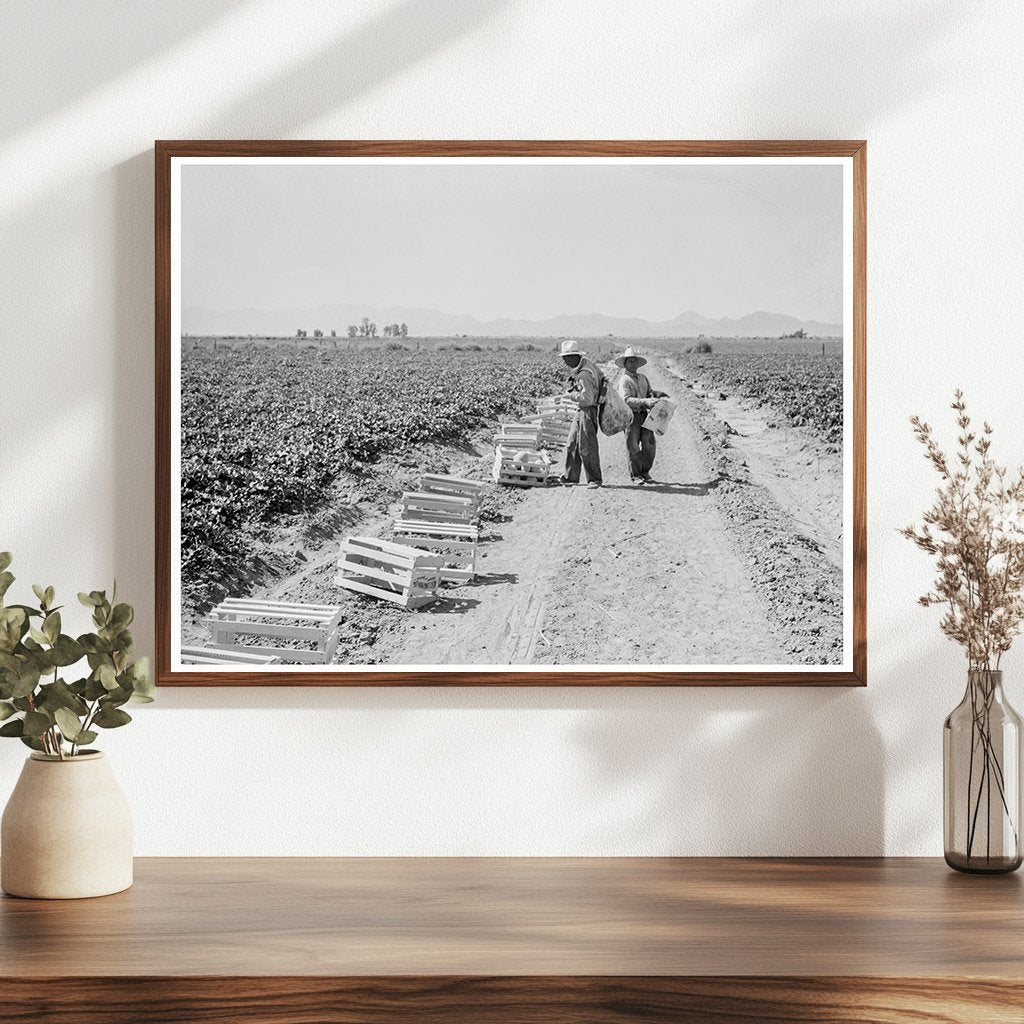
[[264, 433]]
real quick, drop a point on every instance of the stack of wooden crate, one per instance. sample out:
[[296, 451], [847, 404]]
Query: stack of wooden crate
[[521, 449], [431, 507], [442, 516], [555, 415], [524, 435]]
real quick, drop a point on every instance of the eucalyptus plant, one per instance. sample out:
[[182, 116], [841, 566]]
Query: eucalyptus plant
[[37, 705]]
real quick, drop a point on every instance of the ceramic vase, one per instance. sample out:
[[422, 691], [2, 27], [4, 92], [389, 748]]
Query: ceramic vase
[[66, 831]]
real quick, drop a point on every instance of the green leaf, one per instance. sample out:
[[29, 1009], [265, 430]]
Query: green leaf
[[107, 676], [115, 698], [86, 736], [89, 600], [6, 710], [40, 593], [36, 723], [50, 595], [124, 641], [94, 689], [6, 579], [87, 641], [38, 635], [122, 615], [13, 626], [94, 644], [5, 560], [69, 724], [27, 682], [30, 741], [28, 610], [142, 682], [59, 695], [67, 651], [13, 728], [107, 718], [51, 626]]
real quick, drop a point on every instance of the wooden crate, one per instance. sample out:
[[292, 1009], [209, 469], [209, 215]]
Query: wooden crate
[[534, 472], [428, 507], [458, 485], [389, 571], [452, 486], [457, 543], [557, 405], [518, 435], [555, 416], [314, 623], [234, 656], [554, 435]]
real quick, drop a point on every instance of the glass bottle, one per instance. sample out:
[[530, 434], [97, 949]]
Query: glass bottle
[[981, 773]]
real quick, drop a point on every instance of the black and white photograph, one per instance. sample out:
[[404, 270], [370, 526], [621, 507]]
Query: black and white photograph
[[441, 414]]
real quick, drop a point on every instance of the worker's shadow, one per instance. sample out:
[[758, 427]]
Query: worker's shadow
[[492, 579], [451, 605], [693, 490]]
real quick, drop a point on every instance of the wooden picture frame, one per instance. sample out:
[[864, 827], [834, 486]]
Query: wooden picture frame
[[852, 671]]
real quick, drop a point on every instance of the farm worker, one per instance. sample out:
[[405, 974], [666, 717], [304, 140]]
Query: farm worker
[[636, 391], [582, 451]]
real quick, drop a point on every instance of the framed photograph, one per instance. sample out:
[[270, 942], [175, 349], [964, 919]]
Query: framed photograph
[[527, 413]]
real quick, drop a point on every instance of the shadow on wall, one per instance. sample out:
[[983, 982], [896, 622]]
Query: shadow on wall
[[739, 771], [689, 771], [395, 39], [87, 29], [844, 44]]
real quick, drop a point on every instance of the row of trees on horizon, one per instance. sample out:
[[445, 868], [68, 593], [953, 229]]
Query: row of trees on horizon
[[365, 329]]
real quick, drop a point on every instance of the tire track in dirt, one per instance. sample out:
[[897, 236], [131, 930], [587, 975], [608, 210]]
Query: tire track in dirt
[[498, 618]]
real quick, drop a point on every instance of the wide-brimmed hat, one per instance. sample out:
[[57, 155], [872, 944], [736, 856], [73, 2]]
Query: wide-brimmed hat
[[620, 361], [572, 348]]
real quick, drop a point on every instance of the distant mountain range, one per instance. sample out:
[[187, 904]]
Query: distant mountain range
[[432, 323]]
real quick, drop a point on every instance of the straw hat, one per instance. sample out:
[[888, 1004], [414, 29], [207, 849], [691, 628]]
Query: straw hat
[[620, 361], [572, 348]]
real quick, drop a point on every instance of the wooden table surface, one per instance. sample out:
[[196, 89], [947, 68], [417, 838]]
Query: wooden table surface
[[554, 939]]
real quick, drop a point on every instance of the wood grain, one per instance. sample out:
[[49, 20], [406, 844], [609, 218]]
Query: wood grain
[[528, 916], [537, 1000], [165, 150], [284, 941]]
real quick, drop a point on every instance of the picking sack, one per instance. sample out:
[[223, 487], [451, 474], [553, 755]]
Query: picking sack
[[659, 415], [614, 416]]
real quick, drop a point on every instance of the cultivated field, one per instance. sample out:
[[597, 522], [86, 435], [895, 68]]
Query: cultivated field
[[266, 429], [731, 557], [803, 380]]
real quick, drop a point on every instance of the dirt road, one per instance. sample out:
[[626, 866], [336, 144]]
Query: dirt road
[[621, 575]]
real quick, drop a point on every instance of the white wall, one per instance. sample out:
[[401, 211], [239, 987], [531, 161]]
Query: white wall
[[936, 88]]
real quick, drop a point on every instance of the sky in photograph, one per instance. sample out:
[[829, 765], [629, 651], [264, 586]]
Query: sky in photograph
[[516, 241]]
